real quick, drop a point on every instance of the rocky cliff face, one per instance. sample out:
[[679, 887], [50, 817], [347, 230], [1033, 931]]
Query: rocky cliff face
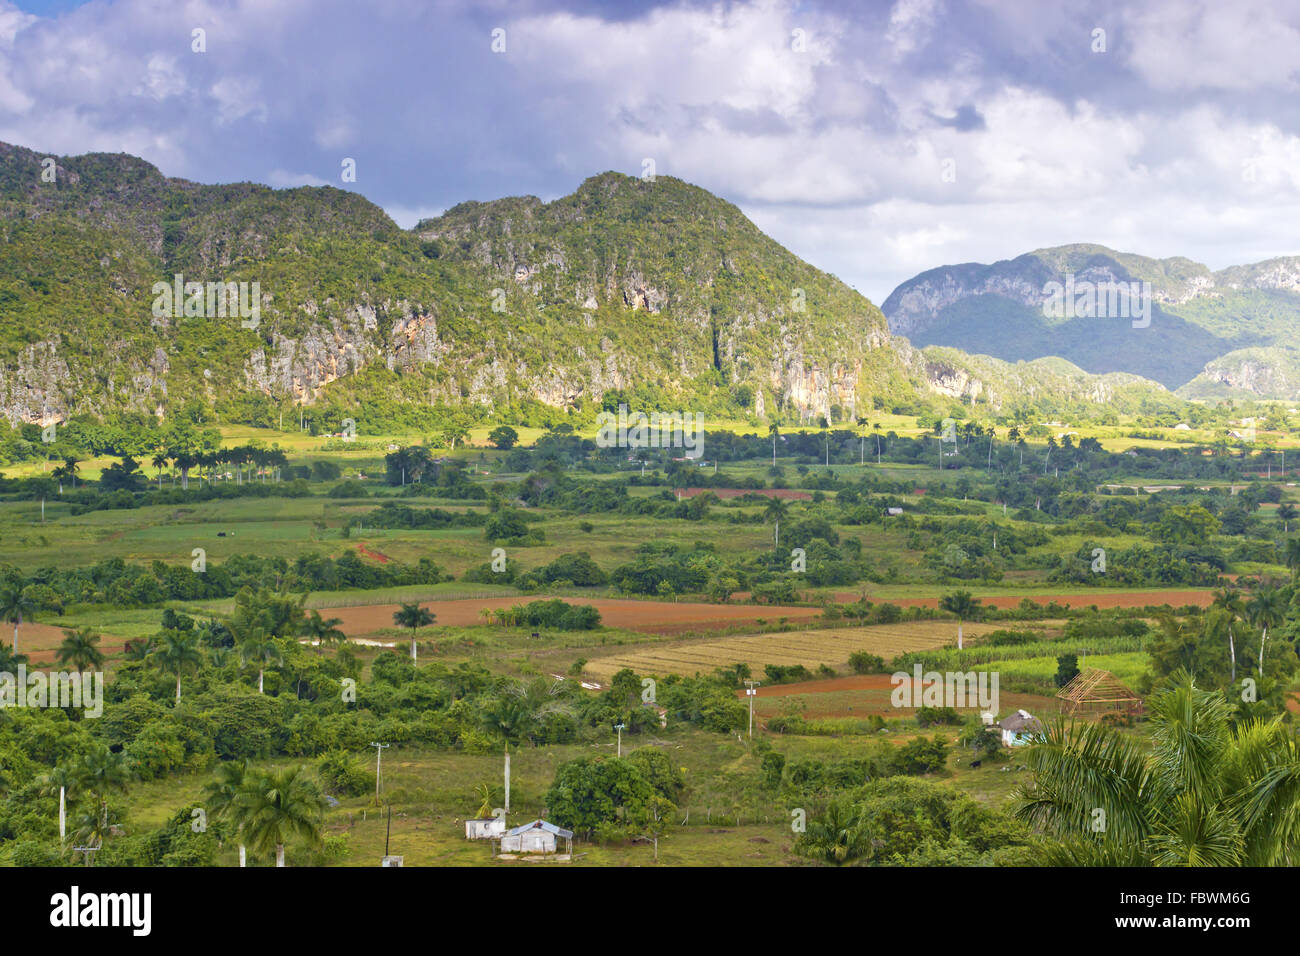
[[653, 288]]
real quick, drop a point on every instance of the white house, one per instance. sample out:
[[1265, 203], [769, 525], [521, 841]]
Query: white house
[[1019, 729], [485, 829], [536, 837]]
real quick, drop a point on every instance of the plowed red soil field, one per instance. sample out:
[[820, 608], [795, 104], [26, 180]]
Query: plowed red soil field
[[648, 617]]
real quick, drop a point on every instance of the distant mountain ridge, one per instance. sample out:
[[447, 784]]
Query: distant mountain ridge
[[657, 291], [1200, 318]]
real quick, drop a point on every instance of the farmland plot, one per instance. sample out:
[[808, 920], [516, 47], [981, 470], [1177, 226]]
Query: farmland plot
[[811, 648]]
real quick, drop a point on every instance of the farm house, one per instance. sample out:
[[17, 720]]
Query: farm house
[[1019, 729], [486, 828], [536, 837]]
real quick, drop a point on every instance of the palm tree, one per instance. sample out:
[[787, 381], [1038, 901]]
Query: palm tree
[[257, 645], [71, 469], [9, 661], [775, 509], [271, 807], [1293, 556], [79, 649], [1286, 514], [1267, 608], [1230, 601], [14, 603], [322, 631], [838, 836], [413, 616], [98, 771], [963, 605], [159, 461], [774, 432], [64, 783], [219, 798], [1205, 794], [876, 426], [177, 652], [1016, 438]]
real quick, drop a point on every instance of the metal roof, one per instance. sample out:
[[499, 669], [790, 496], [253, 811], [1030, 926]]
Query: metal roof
[[541, 825]]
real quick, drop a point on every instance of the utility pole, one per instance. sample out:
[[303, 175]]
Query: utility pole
[[751, 691], [379, 770], [619, 728]]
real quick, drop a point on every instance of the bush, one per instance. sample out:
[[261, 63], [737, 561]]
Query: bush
[[340, 774], [863, 663]]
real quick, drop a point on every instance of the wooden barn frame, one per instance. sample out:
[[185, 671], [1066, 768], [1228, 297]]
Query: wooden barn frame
[[1098, 691]]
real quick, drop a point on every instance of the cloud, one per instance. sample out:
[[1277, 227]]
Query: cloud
[[836, 126]]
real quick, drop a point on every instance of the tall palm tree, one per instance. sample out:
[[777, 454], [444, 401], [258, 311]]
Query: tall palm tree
[[1293, 557], [1230, 601], [14, 604], [1286, 514], [413, 616], [775, 510], [321, 630], [64, 783], [257, 645], [79, 649], [98, 772], [1266, 608], [219, 797], [274, 806], [1204, 794], [963, 605], [177, 652], [159, 461], [774, 432], [876, 427]]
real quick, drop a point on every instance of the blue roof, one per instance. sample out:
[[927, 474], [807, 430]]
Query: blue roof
[[541, 825]]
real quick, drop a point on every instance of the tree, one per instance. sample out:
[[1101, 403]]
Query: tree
[[14, 604], [836, 836], [1231, 603], [1266, 608], [503, 437], [454, 433], [774, 511], [79, 650], [275, 806], [775, 433], [415, 617], [1067, 669], [600, 795], [98, 771], [1293, 557], [1205, 794], [961, 604], [257, 646], [1286, 513], [177, 652], [219, 796], [323, 630]]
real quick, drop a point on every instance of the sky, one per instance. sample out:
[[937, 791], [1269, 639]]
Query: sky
[[875, 140]]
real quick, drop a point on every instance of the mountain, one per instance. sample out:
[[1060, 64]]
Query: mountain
[[654, 291], [1197, 317]]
